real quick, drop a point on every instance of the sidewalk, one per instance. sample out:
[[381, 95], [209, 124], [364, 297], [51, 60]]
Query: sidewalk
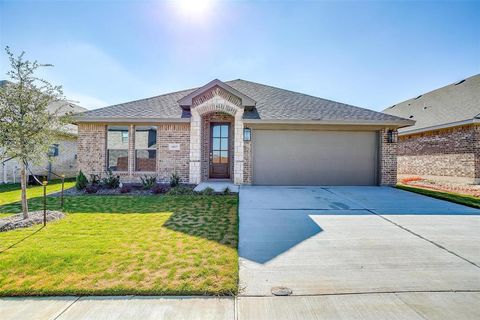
[[415, 305]]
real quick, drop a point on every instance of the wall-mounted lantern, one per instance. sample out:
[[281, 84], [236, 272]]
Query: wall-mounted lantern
[[392, 136], [247, 134]]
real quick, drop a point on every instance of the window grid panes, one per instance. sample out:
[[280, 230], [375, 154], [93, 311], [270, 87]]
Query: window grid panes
[[220, 143], [145, 148], [117, 148]]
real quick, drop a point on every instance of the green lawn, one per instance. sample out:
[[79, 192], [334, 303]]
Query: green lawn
[[165, 245], [466, 200], [10, 193]]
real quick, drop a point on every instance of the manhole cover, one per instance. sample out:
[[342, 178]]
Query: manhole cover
[[281, 291]]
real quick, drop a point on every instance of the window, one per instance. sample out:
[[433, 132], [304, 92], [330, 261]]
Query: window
[[145, 149], [53, 151], [220, 143], [117, 148]]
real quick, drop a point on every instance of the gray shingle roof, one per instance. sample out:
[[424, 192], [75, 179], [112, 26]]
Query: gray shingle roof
[[454, 103], [272, 104]]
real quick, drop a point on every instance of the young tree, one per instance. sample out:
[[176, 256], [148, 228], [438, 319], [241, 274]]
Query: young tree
[[27, 127]]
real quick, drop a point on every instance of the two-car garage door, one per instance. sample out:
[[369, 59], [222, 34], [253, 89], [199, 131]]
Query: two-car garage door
[[294, 157]]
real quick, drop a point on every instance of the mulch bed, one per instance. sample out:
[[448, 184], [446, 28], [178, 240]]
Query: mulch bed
[[35, 217], [467, 189]]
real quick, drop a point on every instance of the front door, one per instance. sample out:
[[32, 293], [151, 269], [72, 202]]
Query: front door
[[219, 150]]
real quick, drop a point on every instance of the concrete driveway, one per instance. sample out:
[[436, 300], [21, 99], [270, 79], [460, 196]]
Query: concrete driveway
[[344, 240]]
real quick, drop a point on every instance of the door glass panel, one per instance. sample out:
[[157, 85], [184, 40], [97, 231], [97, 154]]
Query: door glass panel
[[216, 144], [216, 157], [216, 131], [224, 131], [224, 144], [223, 156]]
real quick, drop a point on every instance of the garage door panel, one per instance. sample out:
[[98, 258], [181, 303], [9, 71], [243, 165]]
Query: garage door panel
[[287, 157]]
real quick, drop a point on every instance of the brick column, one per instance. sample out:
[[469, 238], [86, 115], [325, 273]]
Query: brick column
[[195, 154], [238, 148], [388, 160], [131, 150]]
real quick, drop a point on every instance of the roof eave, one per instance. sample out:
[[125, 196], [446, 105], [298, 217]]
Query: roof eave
[[395, 124], [126, 119], [441, 126]]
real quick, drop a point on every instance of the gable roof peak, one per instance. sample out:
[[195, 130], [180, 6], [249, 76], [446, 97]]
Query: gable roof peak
[[187, 100]]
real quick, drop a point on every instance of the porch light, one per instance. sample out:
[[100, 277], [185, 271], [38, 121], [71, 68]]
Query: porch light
[[247, 134], [392, 136]]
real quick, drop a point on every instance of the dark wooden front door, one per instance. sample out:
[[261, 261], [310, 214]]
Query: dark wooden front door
[[219, 150]]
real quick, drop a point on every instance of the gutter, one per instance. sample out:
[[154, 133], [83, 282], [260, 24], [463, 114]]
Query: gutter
[[128, 120], [441, 126], [398, 124]]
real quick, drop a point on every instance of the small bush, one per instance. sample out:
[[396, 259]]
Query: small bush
[[91, 189], [125, 189], [226, 191], [160, 189], [208, 191], [94, 179], [410, 179], [148, 182], [81, 181], [180, 190], [111, 181], [174, 180]]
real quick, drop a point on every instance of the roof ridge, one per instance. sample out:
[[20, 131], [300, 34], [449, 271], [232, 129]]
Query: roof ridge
[[434, 90]]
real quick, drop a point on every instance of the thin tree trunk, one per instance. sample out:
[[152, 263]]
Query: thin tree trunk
[[23, 182]]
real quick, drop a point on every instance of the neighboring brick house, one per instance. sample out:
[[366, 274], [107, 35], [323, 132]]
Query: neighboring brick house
[[241, 131], [444, 143], [63, 158]]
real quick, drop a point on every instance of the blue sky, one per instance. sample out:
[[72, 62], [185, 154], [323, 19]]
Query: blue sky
[[370, 54]]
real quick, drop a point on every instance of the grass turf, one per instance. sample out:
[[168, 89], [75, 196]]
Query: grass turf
[[449, 196], [114, 245], [11, 193]]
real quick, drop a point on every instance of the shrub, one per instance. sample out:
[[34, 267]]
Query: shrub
[[81, 181], [226, 191], [208, 191], [111, 181], [91, 189], [94, 179], [160, 189], [174, 180], [180, 190], [148, 182], [411, 179], [125, 189]]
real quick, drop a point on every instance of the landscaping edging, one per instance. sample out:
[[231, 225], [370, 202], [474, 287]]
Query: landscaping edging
[[35, 217]]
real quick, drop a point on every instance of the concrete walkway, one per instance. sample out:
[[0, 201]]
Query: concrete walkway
[[377, 306]]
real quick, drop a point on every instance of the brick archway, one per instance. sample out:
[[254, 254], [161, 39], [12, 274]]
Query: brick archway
[[216, 100]]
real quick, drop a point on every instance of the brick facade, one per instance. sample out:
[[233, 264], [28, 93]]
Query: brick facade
[[388, 160], [170, 161], [92, 151], [91, 147], [247, 162], [451, 153]]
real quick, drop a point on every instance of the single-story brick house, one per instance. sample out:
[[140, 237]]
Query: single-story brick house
[[242, 131], [444, 143]]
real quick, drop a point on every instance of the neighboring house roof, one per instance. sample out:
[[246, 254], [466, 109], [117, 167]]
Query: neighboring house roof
[[63, 107], [271, 105], [455, 104]]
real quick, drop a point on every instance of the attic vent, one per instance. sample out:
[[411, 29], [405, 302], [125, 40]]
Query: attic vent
[[411, 117], [418, 97], [392, 106], [460, 82]]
